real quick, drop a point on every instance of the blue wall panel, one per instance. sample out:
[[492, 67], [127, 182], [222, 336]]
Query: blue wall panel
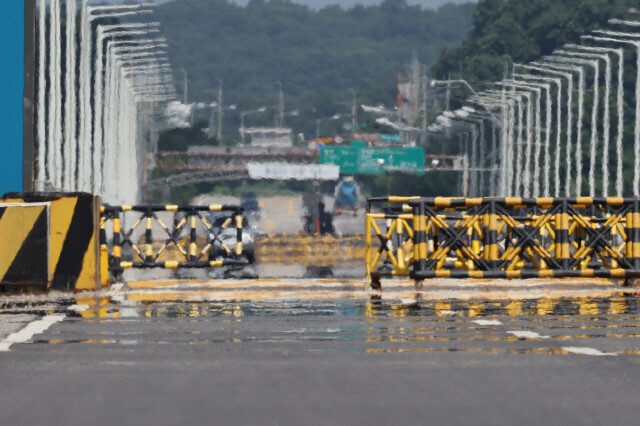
[[11, 94]]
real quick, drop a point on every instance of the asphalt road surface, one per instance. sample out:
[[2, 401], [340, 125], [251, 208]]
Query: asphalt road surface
[[318, 352]]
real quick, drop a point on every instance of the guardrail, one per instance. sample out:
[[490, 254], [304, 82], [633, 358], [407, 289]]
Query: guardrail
[[502, 237], [189, 241]]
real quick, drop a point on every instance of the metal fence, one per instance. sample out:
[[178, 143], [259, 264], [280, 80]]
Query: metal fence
[[502, 237], [171, 236]]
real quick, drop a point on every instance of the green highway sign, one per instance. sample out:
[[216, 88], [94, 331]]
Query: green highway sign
[[390, 137], [363, 160]]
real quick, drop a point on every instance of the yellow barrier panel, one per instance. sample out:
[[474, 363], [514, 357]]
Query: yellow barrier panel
[[52, 240], [138, 237], [502, 237]]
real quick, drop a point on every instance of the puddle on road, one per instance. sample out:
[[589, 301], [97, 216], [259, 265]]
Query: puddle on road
[[235, 318], [374, 326]]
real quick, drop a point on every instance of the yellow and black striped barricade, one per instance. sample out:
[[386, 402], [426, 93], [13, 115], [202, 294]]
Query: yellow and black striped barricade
[[388, 221], [139, 236], [50, 240], [517, 238]]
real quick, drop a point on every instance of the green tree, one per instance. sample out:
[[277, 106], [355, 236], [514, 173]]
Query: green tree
[[317, 55]]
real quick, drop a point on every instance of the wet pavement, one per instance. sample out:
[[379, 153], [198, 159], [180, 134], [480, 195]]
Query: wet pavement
[[324, 352]]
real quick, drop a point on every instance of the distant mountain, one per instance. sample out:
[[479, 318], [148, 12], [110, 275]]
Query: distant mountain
[[316, 55]]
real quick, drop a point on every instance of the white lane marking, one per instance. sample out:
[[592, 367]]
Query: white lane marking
[[116, 287], [445, 312], [524, 334], [586, 351], [33, 328], [79, 308], [487, 322]]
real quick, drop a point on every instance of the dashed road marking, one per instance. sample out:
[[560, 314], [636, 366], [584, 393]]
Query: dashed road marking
[[487, 322], [79, 308], [586, 351], [33, 328], [525, 334]]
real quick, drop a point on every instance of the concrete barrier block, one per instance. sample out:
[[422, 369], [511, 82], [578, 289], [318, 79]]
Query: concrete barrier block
[[53, 239]]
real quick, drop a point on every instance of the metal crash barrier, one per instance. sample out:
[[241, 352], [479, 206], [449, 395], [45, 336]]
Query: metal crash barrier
[[442, 237], [171, 236]]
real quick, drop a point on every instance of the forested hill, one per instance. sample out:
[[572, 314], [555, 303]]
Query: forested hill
[[522, 31], [316, 55]]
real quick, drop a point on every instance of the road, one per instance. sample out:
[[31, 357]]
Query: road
[[293, 352], [283, 214]]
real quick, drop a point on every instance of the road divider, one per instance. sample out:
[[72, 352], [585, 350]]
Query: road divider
[[51, 241]]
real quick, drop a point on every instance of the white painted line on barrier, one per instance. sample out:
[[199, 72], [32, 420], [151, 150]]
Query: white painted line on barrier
[[33, 328], [524, 334], [586, 351], [487, 322]]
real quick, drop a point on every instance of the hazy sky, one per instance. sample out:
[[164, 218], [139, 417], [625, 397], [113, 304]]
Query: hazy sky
[[317, 4]]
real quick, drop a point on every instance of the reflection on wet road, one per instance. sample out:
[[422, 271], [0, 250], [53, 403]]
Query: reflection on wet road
[[323, 352], [527, 317]]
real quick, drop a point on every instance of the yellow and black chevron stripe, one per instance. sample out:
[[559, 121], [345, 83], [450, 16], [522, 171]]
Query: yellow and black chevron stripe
[[24, 243], [70, 259], [74, 253]]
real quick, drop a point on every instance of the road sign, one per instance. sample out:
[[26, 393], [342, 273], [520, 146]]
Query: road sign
[[286, 171], [362, 160], [368, 138], [390, 137]]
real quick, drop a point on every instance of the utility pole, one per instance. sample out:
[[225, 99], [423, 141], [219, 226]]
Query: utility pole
[[280, 105], [185, 87], [354, 111], [400, 98], [210, 129], [219, 135], [447, 106], [424, 102], [414, 90], [425, 83]]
